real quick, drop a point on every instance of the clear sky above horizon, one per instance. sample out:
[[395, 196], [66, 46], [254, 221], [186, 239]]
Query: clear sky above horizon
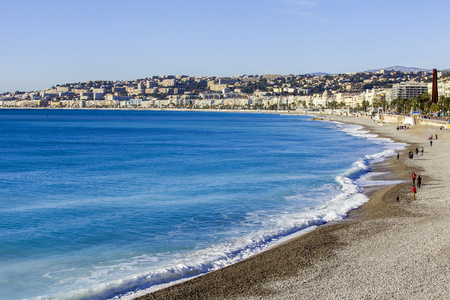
[[50, 42]]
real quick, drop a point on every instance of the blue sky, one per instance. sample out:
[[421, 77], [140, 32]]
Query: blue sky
[[45, 42]]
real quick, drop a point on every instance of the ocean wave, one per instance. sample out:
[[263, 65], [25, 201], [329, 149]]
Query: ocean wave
[[274, 229]]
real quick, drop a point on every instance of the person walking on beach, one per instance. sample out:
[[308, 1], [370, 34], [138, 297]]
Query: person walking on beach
[[413, 178], [398, 155], [414, 192], [421, 152], [417, 151], [431, 143], [419, 181]]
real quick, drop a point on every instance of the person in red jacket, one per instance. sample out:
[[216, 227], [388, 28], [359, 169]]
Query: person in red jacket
[[414, 192]]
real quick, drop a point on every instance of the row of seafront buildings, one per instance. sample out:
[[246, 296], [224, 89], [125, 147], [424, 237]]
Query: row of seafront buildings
[[251, 102], [403, 90], [223, 93]]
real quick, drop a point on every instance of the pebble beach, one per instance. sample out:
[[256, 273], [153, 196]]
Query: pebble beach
[[392, 247]]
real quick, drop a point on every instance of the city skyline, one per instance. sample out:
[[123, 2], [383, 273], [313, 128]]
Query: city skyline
[[47, 43]]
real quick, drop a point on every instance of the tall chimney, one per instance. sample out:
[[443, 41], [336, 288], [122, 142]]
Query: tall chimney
[[434, 90]]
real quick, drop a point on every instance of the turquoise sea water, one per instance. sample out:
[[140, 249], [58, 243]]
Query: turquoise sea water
[[111, 204]]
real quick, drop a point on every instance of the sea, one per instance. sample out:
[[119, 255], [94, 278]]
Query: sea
[[112, 204]]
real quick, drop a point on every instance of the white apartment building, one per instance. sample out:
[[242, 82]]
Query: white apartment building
[[169, 82], [358, 100], [306, 100], [321, 100], [151, 84], [443, 87], [97, 94], [62, 89], [371, 95], [85, 96], [216, 87], [345, 98], [408, 90]]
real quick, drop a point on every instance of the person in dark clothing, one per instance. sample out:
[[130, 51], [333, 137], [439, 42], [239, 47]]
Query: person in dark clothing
[[419, 181]]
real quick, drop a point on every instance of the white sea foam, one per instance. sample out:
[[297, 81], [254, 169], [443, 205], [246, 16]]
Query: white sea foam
[[346, 196]]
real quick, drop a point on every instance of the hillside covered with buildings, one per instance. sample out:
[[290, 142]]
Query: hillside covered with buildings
[[389, 89]]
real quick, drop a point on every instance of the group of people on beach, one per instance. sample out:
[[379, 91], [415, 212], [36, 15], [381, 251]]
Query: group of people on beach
[[415, 177], [431, 139], [411, 153]]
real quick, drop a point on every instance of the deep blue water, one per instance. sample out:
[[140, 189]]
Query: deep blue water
[[98, 204]]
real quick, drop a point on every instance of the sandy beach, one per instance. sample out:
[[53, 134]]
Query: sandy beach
[[385, 249]]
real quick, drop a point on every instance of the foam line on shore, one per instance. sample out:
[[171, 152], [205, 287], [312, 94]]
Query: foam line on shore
[[385, 253], [349, 198]]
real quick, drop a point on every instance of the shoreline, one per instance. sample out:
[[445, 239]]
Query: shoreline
[[307, 266]]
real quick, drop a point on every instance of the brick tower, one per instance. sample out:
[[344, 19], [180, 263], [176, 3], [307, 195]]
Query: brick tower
[[434, 90]]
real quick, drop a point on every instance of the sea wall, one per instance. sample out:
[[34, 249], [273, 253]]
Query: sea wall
[[430, 122], [409, 120], [392, 119]]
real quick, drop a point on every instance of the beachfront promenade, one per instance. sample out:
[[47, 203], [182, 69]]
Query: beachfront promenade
[[385, 249]]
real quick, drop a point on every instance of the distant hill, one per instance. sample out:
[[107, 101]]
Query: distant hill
[[319, 74], [393, 68], [401, 69]]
